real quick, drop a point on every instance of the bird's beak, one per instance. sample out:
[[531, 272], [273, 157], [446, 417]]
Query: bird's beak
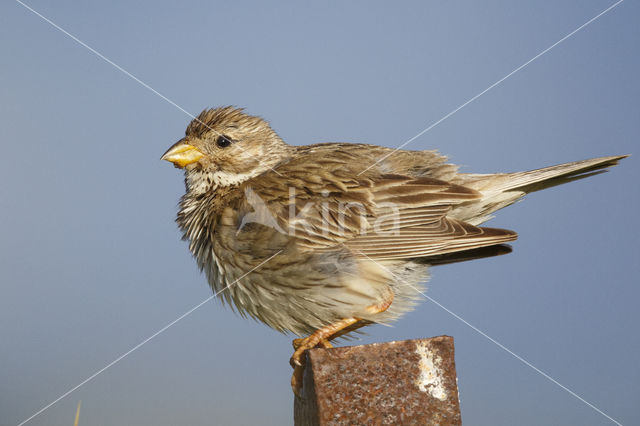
[[182, 154]]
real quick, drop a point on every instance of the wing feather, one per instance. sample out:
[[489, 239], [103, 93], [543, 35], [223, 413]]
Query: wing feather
[[420, 241], [376, 215]]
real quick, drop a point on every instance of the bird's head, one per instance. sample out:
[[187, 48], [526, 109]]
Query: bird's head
[[224, 147]]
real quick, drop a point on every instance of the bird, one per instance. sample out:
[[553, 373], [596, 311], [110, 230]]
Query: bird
[[320, 240]]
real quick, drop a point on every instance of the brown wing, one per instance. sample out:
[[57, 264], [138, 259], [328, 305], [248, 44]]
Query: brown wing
[[415, 223], [322, 203], [445, 236]]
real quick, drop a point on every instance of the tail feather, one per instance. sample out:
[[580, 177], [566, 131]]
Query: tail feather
[[502, 189], [535, 180]]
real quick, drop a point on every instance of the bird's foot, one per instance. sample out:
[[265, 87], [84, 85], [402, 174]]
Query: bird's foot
[[322, 344], [319, 338]]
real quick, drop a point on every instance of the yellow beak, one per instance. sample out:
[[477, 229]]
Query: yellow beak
[[182, 154]]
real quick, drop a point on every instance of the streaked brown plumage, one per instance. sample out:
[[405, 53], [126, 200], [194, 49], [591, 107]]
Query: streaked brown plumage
[[350, 244]]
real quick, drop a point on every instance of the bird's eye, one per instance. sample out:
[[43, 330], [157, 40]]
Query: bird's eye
[[223, 141]]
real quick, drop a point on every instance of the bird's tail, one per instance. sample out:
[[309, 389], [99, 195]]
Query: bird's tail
[[502, 189]]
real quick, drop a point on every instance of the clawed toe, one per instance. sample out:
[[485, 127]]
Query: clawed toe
[[296, 360], [296, 380], [324, 344]]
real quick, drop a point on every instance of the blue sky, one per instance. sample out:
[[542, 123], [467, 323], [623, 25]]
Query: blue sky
[[91, 259]]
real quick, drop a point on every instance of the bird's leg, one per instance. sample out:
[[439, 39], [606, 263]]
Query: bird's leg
[[319, 337], [322, 337], [337, 329]]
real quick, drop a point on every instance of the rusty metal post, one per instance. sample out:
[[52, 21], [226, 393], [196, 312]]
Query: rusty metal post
[[405, 382]]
